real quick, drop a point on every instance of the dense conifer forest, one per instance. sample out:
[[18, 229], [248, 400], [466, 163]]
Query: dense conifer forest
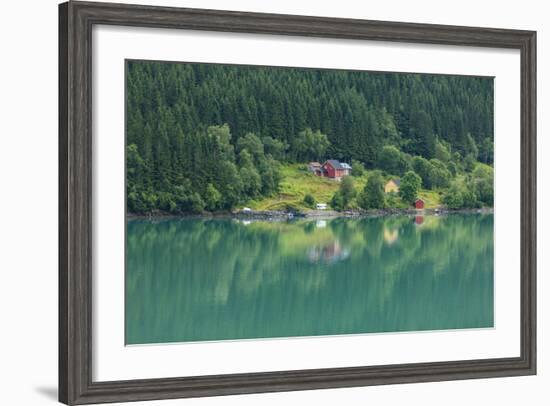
[[205, 137]]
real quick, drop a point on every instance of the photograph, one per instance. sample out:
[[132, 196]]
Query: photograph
[[269, 202], [266, 203]]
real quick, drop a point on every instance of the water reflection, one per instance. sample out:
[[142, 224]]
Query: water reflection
[[213, 279], [328, 253]]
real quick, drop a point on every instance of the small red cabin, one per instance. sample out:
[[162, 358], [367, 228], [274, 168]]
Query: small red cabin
[[419, 204], [336, 169]]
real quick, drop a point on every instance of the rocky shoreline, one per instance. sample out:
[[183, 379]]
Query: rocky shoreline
[[312, 214]]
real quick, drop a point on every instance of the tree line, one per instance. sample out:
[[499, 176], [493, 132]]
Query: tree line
[[459, 190], [210, 137]]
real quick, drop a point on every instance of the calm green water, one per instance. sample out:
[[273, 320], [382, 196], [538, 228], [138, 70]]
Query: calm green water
[[197, 279]]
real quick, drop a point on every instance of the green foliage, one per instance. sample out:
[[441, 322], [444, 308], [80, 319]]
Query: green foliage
[[471, 147], [230, 184], [442, 152], [392, 161], [482, 180], [486, 150], [434, 173], [372, 196], [337, 201], [309, 145], [409, 187], [462, 195], [440, 176], [343, 197], [135, 166], [250, 177], [221, 135], [276, 148], [469, 199], [357, 168], [252, 144], [309, 200], [452, 168], [188, 124], [421, 134], [358, 111], [270, 173], [347, 190], [196, 202], [423, 168], [200, 172], [469, 162], [453, 197], [212, 198]]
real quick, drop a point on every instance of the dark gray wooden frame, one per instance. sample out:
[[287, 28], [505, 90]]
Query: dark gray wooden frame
[[76, 20]]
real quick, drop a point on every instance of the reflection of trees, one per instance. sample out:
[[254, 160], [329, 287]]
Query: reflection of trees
[[199, 279]]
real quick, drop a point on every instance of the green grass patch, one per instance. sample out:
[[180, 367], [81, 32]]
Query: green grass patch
[[295, 184]]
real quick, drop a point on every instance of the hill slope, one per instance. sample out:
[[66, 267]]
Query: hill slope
[[297, 182]]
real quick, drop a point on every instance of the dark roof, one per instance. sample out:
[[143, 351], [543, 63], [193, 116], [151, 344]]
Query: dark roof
[[335, 164], [397, 181]]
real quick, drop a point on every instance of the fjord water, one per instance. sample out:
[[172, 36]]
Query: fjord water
[[217, 279]]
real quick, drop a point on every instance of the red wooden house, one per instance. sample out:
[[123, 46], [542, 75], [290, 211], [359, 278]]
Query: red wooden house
[[419, 204], [336, 169]]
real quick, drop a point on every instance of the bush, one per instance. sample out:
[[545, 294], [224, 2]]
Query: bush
[[452, 168], [483, 183], [461, 195], [469, 199], [357, 168], [453, 198], [410, 185], [309, 200], [343, 197], [392, 160], [439, 175], [423, 168], [337, 202], [212, 197], [442, 152], [347, 190], [372, 196]]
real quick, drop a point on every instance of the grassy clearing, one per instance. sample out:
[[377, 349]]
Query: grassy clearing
[[297, 182]]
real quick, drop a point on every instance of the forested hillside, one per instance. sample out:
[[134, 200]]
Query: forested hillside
[[210, 137]]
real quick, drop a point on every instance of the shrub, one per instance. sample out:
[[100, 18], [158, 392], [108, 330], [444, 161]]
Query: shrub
[[309, 200], [357, 168], [372, 196], [410, 184]]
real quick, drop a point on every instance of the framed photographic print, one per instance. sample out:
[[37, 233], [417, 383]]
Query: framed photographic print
[[257, 202]]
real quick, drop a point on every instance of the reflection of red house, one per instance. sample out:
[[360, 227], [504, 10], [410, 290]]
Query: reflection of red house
[[418, 220], [336, 169], [419, 204], [329, 253]]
